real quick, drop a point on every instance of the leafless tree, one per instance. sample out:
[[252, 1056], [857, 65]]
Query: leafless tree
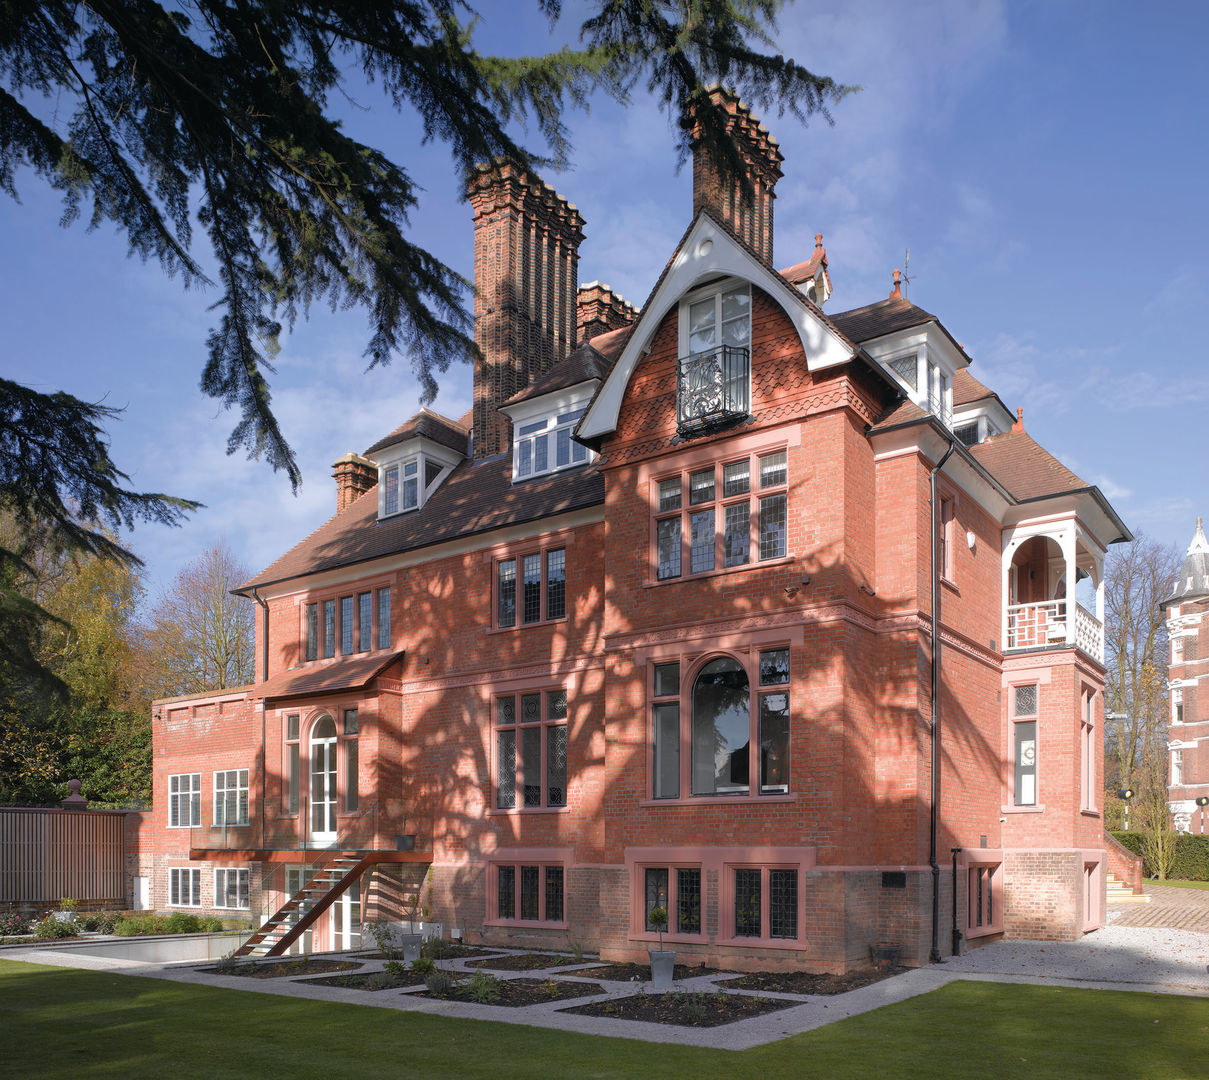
[[198, 636], [1137, 577]]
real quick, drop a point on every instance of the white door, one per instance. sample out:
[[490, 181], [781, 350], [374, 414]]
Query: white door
[[323, 783], [295, 878], [142, 894], [346, 919]]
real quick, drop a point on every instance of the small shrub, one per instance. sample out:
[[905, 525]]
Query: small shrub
[[424, 966], [211, 925], [577, 950], [440, 983], [481, 988], [395, 969], [49, 929], [68, 903], [226, 964], [101, 922], [379, 980], [14, 924], [439, 949]]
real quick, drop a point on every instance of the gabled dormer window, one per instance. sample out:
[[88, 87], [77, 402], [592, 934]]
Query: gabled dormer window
[[545, 445], [405, 483], [929, 384], [713, 377]]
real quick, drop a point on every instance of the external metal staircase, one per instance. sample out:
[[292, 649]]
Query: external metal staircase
[[300, 911]]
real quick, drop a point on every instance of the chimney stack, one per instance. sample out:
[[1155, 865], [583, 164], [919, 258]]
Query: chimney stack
[[748, 216], [355, 475], [599, 309], [526, 267]]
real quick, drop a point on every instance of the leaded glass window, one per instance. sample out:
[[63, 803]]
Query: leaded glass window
[[507, 892], [668, 549], [556, 584], [312, 631], [365, 616], [532, 750], [530, 896], [384, 618], [721, 729], [532, 588], [656, 892], [554, 894], [783, 903], [329, 628], [747, 902], [688, 901], [506, 593], [346, 625]]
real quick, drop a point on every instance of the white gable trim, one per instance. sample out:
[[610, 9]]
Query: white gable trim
[[709, 252]]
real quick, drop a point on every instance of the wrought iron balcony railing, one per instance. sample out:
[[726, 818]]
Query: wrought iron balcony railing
[[713, 387]]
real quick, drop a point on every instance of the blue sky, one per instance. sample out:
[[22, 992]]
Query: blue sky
[[1044, 162]]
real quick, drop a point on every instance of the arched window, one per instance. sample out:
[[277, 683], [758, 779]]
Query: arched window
[[721, 729], [724, 721]]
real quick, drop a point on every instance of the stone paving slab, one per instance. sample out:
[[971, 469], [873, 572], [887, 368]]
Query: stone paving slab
[[1170, 906]]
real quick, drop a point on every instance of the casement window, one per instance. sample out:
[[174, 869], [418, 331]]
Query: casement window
[[406, 484], [293, 762], [184, 887], [352, 789], [763, 901], [347, 622], [703, 729], [531, 750], [184, 801], [721, 516], [1177, 705], [1177, 767], [529, 892], [1087, 753], [713, 379], [531, 588], [1024, 745], [231, 797], [231, 889], [544, 445], [678, 890]]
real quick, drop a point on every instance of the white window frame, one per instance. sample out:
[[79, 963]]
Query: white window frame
[[1177, 766], [223, 879], [191, 799], [184, 887], [541, 424], [412, 462], [717, 290], [224, 792]]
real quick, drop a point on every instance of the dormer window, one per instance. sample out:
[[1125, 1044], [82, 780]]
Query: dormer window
[[405, 484], [929, 384], [713, 378], [545, 445]]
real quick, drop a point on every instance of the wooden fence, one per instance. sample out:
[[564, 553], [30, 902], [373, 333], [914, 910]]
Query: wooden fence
[[48, 854]]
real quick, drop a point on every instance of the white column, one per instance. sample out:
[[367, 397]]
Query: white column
[[1067, 543]]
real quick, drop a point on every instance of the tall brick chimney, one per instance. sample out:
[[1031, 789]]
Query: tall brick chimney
[[526, 267], [749, 216], [355, 475], [599, 309]]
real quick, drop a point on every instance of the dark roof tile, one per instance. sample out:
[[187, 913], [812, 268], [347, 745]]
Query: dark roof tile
[[347, 673], [428, 425]]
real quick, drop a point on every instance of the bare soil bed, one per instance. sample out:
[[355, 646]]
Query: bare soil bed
[[684, 1010], [517, 993], [284, 969], [641, 972], [525, 962], [803, 982], [448, 951], [372, 981]]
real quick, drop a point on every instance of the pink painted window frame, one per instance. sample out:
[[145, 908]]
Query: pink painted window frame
[[518, 857], [990, 861]]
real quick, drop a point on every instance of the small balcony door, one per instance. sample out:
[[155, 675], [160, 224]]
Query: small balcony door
[[323, 783]]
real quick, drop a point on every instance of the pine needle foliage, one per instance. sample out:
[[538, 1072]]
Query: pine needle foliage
[[157, 118]]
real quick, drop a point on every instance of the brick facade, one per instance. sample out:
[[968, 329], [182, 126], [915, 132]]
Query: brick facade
[[808, 601]]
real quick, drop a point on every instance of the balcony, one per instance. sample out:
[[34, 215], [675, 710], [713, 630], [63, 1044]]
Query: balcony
[[712, 388], [1045, 625]]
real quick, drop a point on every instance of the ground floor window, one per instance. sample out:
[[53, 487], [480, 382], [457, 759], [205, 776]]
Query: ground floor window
[[231, 889], [678, 890], [765, 902], [184, 887], [529, 892], [984, 898]]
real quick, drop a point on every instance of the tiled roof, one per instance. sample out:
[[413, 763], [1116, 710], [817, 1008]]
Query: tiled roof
[[347, 673], [875, 320], [1025, 468], [429, 425], [804, 271], [477, 496], [589, 360], [901, 412], [967, 389]]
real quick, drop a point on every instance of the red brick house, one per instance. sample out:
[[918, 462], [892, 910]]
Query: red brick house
[[764, 612], [1187, 608]]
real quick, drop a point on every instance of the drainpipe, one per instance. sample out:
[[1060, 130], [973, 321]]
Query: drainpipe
[[935, 956], [956, 931], [264, 651]]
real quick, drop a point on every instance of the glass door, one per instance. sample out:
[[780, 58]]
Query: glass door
[[323, 783], [346, 918], [295, 878]]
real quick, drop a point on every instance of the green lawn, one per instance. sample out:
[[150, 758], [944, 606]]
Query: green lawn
[[1185, 884], [63, 1023]]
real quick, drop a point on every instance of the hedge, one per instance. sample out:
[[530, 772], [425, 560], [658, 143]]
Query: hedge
[[1191, 861]]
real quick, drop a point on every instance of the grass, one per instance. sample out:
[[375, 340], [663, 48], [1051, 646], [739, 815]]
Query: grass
[[64, 1023], [1185, 884]]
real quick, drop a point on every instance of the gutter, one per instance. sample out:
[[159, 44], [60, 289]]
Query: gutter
[[934, 785]]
